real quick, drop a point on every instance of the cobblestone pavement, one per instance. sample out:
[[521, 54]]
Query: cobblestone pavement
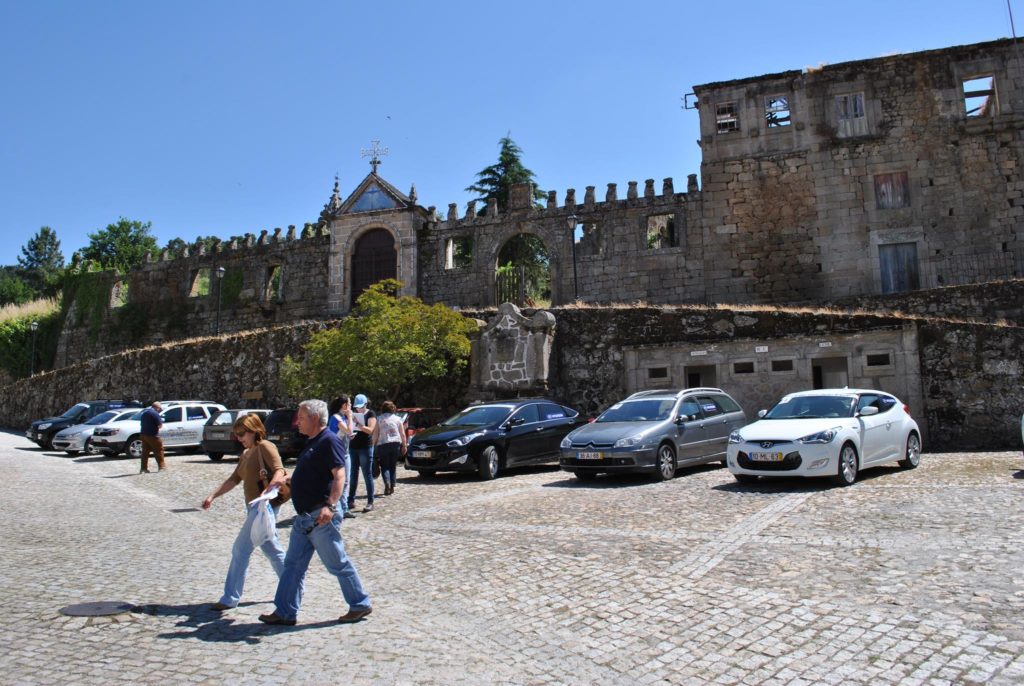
[[908, 577]]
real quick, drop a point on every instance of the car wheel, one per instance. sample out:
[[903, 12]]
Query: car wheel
[[665, 468], [489, 463], [913, 455], [847, 466], [216, 457], [426, 473], [133, 448], [90, 449], [585, 476], [745, 479]]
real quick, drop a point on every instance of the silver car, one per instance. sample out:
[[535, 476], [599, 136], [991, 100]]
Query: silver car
[[78, 438], [656, 432]]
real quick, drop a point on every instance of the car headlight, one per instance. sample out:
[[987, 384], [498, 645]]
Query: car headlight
[[825, 436], [630, 442], [566, 443], [463, 440], [44, 427], [735, 437], [70, 435]]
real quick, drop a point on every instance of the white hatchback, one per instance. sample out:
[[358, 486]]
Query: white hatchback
[[829, 432]]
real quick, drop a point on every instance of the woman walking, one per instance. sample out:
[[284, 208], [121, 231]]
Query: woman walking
[[341, 423], [389, 444], [259, 468]]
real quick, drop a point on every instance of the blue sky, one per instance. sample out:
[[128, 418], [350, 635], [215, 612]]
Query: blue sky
[[221, 118]]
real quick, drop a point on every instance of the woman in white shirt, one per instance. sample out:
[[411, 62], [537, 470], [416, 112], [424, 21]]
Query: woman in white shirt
[[389, 444]]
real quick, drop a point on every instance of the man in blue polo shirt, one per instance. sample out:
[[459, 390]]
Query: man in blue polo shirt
[[151, 442], [317, 484]]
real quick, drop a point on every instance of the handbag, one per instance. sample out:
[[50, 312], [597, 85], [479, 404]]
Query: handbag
[[284, 491]]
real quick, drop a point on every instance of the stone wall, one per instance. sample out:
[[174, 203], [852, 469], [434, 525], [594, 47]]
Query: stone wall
[[990, 302]]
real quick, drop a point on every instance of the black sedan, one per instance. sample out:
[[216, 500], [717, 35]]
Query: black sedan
[[490, 437]]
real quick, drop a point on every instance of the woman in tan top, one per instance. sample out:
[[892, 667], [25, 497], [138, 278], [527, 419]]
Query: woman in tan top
[[259, 462]]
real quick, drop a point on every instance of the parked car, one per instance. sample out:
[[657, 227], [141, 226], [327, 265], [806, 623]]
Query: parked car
[[182, 428], [78, 438], [283, 431], [218, 433], [655, 432], [42, 431], [491, 437], [417, 419], [830, 432]]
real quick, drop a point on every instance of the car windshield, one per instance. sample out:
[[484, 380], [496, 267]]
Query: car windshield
[[138, 415], [484, 414], [76, 411], [646, 410], [102, 418], [813, 407]]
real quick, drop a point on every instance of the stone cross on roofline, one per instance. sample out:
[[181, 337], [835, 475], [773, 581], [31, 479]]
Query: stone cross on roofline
[[374, 152]]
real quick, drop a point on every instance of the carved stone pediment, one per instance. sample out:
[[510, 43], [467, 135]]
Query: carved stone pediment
[[512, 352]]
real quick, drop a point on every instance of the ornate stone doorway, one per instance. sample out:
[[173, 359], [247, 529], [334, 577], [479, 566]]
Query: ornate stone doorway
[[523, 272], [374, 259]]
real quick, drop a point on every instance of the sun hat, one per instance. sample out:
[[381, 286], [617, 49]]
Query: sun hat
[[360, 401]]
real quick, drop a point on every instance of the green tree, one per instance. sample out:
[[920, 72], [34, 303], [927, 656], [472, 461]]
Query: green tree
[[120, 246], [392, 347], [496, 181], [13, 288], [41, 262]]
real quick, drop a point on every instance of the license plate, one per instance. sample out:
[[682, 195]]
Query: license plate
[[589, 456], [421, 453], [766, 457]]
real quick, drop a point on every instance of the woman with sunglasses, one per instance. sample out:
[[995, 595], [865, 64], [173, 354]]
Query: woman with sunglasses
[[259, 468]]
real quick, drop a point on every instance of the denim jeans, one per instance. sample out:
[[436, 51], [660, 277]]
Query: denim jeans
[[326, 541], [240, 554], [387, 455], [363, 459]]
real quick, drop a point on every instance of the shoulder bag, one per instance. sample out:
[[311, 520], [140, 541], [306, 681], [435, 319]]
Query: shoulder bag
[[284, 491]]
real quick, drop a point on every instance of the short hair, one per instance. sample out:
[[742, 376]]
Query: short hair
[[387, 406], [157, 406], [315, 408], [251, 422]]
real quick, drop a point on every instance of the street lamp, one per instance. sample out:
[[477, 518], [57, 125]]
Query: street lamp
[[220, 284], [35, 327], [572, 220]]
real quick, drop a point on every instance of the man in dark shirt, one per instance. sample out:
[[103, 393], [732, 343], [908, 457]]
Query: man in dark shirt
[[151, 441], [317, 484]]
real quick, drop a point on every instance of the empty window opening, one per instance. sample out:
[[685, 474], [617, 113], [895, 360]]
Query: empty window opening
[[879, 360], [727, 117], [850, 117], [119, 293], [274, 283], [458, 252], [700, 376], [657, 373], [830, 372], [776, 111], [892, 191], [661, 231], [980, 96], [200, 283], [782, 365], [742, 367]]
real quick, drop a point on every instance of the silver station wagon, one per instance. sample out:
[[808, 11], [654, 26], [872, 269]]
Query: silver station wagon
[[656, 432]]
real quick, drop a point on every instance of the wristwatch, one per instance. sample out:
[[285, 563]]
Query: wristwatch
[[332, 508]]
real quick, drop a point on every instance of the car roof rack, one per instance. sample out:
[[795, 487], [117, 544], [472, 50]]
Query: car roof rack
[[675, 392]]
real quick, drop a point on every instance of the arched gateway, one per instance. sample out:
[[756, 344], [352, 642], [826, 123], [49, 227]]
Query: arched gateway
[[373, 259]]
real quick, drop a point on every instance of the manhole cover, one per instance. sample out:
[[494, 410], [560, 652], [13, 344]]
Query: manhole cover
[[101, 608]]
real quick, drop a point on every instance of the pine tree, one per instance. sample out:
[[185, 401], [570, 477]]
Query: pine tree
[[496, 181], [41, 262]]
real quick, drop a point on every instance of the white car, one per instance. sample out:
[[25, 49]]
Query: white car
[[182, 428], [829, 432], [78, 438]]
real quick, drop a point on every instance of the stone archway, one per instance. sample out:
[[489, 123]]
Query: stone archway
[[523, 274], [374, 259]]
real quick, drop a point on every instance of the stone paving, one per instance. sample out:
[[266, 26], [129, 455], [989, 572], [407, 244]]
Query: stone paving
[[908, 577]]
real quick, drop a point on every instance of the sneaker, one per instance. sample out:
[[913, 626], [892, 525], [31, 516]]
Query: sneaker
[[368, 508], [349, 514]]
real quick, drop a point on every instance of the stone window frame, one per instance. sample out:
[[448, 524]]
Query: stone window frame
[[672, 237], [991, 106], [790, 360], [743, 361], [119, 293], [887, 236], [199, 277], [268, 291], [451, 253], [853, 125], [659, 377], [771, 109], [875, 364], [727, 117], [899, 196]]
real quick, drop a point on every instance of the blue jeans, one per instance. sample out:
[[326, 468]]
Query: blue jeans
[[240, 554], [326, 541], [363, 459]]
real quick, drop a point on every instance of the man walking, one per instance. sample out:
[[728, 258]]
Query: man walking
[[151, 441], [317, 484]]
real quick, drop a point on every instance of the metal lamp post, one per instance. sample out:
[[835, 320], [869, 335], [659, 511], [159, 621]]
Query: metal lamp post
[[35, 327], [572, 221], [220, 284]]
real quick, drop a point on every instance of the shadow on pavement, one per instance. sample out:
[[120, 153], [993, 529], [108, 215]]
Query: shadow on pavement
[[1019, 474], [792, 484], [627, 479], [202, 623]]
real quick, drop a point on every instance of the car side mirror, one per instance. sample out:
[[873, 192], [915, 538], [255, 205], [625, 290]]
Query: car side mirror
[[868, 411], [681, 419], [761, 414]]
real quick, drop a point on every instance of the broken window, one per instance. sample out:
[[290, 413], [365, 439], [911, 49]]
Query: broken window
[[727, 117], [458, 252], [661, 231], [200, 283], [776, 111], [892, 190], [980, 96], [850, 118], [274, 283]]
